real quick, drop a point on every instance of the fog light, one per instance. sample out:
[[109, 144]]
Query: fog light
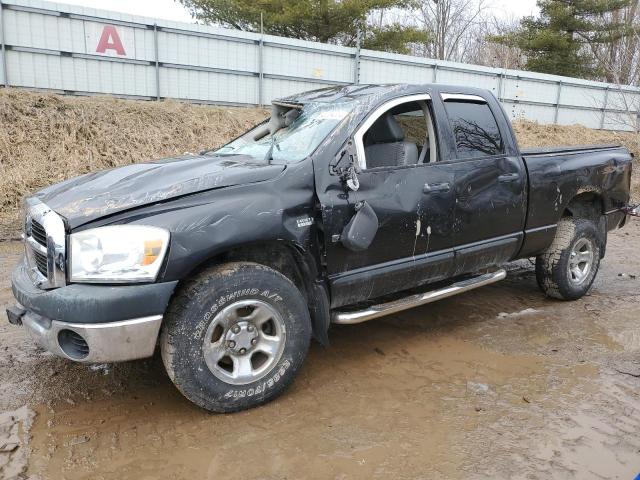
[[73, 344]]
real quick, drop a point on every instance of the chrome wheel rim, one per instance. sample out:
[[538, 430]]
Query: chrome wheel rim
[[581, 261], [244, 341]]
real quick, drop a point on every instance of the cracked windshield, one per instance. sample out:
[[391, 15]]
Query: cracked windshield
[[296, 133]]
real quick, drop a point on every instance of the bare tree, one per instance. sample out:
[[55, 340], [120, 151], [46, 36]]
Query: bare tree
[[619, 58], [484, 51], [452, 24], [618, 62], [621, 98]]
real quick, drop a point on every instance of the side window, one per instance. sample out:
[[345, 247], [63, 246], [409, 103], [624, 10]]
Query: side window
[[399, 136], [475, 129]]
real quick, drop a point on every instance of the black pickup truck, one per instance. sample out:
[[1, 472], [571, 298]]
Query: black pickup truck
[[345, 205]]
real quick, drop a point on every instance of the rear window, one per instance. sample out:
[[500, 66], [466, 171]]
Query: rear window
[[475, 129]]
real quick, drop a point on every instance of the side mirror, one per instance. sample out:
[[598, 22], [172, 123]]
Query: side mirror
[[359, 233]]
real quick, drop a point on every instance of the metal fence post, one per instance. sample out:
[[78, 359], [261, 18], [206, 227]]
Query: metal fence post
[[557, 114], [604, 108], [356, 62], [435, 73], [155, 43], [261, 64], [3, 53], [500, 82]]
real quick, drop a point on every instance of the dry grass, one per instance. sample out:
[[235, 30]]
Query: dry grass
[[46, 138]]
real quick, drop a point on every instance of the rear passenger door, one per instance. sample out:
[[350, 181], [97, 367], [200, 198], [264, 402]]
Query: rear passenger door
[[490, 184]]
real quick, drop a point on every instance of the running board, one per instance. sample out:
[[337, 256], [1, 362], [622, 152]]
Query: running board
[[375, 311]]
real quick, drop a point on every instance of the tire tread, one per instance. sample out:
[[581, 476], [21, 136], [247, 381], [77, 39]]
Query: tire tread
[[550, 271], [199, 286]]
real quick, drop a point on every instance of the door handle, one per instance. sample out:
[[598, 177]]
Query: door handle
[[509, 177], [436, 187]]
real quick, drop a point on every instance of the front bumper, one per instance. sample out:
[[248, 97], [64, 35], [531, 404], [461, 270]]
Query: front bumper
[[92, 342], [91, 323]]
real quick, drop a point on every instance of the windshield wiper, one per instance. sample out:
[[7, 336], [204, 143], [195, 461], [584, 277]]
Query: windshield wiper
[[269, 156]]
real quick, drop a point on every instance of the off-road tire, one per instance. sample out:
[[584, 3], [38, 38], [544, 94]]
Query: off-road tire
[[191, 312], [552, 267]]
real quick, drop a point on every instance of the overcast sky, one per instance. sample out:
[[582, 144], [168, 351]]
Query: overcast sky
[[172, 10], [516, 8]]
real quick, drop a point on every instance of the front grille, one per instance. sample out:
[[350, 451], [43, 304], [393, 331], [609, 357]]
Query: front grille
[[45, 238], [38, 233], [41, 262]]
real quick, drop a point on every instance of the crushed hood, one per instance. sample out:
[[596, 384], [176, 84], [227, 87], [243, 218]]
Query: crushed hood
[[89, 197]]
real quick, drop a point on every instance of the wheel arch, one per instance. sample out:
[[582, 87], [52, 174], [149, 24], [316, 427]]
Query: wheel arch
[[585, 204], [590, 205], [290, 260]]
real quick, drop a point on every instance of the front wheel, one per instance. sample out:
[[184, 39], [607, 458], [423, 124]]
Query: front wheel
[[567, 269], [235, 337]]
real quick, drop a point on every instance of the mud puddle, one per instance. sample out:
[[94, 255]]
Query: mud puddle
[[497, 383]]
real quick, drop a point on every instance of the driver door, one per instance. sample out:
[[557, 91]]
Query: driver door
[[412, 196]]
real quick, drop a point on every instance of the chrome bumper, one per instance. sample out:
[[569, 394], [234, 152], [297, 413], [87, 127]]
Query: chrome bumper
[[103, 342]]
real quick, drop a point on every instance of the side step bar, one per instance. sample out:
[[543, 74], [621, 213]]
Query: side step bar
[[375, 311], [634, 211]]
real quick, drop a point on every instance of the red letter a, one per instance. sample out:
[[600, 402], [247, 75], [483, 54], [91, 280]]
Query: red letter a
[[110, 40]]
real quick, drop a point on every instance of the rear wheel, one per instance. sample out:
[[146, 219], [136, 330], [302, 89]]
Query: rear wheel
[[569, 266], [235, 337]]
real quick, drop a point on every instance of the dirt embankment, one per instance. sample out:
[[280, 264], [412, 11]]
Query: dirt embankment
[[46, 138]]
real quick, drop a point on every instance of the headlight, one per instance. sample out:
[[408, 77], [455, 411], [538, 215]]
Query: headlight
[[118, 254]]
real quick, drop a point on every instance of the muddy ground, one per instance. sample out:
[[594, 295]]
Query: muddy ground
[[496, 383]]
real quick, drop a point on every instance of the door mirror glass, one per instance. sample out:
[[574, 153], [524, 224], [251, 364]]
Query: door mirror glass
[[359, 233]]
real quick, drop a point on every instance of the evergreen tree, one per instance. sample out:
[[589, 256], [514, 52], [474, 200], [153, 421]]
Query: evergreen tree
[[557, 40], [329, 21]]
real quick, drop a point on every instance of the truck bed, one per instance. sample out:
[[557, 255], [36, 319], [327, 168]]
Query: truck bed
[[558, 175]]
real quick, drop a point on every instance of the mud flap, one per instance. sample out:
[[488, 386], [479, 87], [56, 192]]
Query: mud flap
[[320, 314], [602, 229], [359, 233]]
